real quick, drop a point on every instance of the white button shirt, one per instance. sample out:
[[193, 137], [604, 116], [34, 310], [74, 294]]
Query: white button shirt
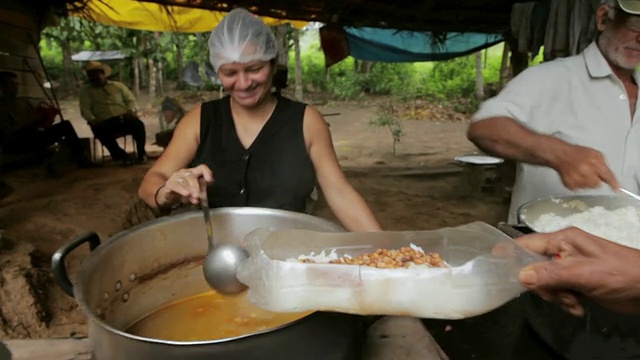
[[579, 100]]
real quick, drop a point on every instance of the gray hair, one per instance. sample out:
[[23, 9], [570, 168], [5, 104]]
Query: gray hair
[[612, 6]]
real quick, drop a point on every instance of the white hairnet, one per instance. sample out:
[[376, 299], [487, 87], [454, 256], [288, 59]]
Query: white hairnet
[[241, 37]]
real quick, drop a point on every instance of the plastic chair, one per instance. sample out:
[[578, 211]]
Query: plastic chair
[[125, 136]]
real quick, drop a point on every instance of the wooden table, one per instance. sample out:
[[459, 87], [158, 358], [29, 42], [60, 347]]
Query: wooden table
[[390, 338]]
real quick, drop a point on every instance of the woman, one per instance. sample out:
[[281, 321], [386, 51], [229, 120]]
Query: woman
[[252, 147]]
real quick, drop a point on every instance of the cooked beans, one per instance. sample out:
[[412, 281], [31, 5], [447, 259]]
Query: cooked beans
[[392, 259]]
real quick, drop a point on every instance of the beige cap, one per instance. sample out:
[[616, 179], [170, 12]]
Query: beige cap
[[96, 65], [630, 6]]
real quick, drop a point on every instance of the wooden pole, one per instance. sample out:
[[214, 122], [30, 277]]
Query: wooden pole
[[505, 69], [479, 77]]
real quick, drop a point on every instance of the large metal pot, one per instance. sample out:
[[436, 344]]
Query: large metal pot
[[156, 263], [601, 334]]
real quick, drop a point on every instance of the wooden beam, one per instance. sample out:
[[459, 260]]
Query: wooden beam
[[70, 349], [489, 17]]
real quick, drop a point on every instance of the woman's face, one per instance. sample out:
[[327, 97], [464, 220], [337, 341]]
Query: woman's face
[[247, 83]]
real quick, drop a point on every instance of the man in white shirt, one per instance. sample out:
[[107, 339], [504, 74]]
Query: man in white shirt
[[571, 124]]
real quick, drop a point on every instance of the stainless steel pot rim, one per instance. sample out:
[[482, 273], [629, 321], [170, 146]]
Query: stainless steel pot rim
[[95, 255]]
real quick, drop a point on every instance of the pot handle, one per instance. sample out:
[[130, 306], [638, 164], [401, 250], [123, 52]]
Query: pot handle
[[59, 257]]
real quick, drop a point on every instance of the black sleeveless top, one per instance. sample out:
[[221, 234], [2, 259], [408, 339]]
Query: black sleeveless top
[[274, 172]]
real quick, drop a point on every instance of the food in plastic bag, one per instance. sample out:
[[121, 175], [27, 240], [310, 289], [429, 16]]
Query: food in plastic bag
[[482, 272], [406, 257]]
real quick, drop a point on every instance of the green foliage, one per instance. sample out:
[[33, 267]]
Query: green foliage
[[445, 80], [392, 78], [79, 34], [344, 82], [385, 118], [452, 78], [51, 56], [312, 59], [442, 80]]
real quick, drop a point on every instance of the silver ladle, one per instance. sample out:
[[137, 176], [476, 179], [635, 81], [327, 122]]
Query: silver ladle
[[220, 265]]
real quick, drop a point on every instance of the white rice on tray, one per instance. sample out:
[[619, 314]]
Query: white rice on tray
[[621, 226]]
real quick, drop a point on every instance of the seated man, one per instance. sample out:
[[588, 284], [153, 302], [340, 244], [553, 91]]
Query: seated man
[[110, 109], [172, 112], [25, 128]]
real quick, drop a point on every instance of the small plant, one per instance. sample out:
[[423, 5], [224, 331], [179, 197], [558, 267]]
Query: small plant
[[386, 118]]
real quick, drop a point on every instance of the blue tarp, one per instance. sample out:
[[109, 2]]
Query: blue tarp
[[372, 44]]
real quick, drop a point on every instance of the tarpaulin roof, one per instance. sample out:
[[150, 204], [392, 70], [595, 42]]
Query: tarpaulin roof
[[155, 17], [99, 55], [373, 44]]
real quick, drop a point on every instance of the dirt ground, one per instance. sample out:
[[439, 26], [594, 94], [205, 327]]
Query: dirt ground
[[417, 189]]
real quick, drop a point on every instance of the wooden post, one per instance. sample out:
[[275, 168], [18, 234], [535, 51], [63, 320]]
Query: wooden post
[[479, 77], [505, 69], [519, 61]]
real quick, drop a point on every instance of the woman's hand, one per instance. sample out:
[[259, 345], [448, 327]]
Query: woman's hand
[[184, 185]]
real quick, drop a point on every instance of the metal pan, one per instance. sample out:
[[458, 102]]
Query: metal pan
[[564, 206], [599, 335]]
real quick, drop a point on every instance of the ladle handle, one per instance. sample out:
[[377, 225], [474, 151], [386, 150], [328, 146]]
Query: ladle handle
[[204, 203], [629, 193]]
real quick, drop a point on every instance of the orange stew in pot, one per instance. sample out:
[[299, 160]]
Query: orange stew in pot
[[209, 316]]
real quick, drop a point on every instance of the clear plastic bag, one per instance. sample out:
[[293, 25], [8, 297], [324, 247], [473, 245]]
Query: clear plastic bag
[[482, 275]]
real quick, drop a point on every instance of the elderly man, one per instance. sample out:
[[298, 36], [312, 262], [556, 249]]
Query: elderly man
[[25, 128], [110, 109], [571, 124]]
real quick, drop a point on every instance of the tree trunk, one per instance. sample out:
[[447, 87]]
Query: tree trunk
[[298, 85], [152, 77], [280, 32], [366, 67], [142, 61], [121, 72], [202, 65], [160, 90], [144, 72], [179, 58], [479, 78], [135, 62], [69, 81]]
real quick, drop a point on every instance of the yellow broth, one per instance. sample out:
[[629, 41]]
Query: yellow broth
[[209, 316]]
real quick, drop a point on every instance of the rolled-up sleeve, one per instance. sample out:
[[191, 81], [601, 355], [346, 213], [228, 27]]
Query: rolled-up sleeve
[[521, 98]]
